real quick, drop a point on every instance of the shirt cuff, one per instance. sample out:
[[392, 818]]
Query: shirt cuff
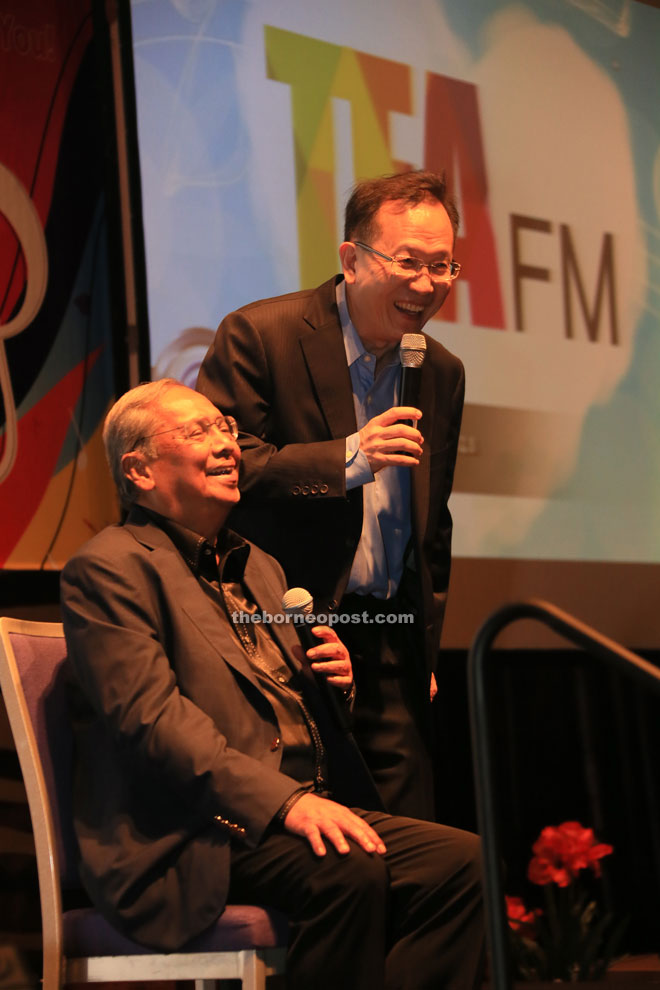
[[358, 471]]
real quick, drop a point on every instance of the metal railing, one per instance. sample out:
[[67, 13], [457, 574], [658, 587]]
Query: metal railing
[[593, 643]]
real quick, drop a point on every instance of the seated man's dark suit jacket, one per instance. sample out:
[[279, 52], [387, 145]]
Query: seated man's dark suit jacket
[[171, 730], [279, 367]]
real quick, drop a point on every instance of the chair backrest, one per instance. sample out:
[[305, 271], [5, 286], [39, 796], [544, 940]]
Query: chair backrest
[[32, 680]]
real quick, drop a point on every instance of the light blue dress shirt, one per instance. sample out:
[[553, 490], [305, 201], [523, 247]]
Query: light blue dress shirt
[[386, 525]]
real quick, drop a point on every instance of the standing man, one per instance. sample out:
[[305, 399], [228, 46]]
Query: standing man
[[206, 768], [351, 500]]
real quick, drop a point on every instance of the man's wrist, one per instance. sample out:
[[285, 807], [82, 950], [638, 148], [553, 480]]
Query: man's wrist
[[358, 470], [288, 805]]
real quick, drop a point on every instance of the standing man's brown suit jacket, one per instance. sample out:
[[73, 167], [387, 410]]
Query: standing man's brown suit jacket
[[279, 367]]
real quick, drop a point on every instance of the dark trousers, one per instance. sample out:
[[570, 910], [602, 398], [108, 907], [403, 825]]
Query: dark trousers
[[410, 919], [392, 714]]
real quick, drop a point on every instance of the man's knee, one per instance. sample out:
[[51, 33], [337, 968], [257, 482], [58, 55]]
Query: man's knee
[[468, 848], [470, 855], [362, 874], [451, 856], [353, 886]]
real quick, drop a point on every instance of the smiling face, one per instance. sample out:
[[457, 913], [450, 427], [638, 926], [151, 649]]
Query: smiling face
[[384, 306], [193, 481]]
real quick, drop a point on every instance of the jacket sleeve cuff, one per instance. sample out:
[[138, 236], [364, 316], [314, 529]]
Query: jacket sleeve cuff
[[288, 805]]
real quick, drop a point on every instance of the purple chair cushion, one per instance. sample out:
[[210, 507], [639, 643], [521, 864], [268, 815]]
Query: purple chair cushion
[[240, 926]]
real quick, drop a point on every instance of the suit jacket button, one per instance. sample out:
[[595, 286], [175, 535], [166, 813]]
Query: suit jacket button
[[275, 744], [324, 489], [305, 489], [314, 489], [295, 490]]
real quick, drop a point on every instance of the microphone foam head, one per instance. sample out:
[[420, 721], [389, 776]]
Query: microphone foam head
[[412, 350], [297, 601]]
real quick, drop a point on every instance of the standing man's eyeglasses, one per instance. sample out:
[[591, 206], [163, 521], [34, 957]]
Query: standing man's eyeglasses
[[439, 271]]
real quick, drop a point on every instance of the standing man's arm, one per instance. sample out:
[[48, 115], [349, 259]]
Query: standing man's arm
[[236, 377]]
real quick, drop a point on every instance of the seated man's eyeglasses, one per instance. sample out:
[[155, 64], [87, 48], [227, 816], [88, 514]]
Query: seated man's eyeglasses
[[199, 430], [439, 271]]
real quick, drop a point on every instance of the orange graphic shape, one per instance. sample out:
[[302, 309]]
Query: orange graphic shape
[[41, 433]]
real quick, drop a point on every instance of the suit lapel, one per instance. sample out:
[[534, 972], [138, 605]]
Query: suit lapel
[[325, 357], [268, 599], [184, 589]]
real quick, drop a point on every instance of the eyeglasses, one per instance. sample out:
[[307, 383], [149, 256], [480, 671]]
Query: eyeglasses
[[439, 271], [199, 430]]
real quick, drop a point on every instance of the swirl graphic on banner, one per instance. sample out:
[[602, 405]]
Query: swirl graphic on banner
[[21, 214]]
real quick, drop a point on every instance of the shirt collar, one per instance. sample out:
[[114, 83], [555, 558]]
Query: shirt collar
[[197, 551]]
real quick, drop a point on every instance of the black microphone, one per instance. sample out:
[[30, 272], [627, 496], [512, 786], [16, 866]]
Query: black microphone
[[299, 602], [412, 351]]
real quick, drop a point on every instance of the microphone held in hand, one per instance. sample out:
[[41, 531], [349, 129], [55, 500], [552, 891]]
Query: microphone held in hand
[[297, 602], [412, 351]]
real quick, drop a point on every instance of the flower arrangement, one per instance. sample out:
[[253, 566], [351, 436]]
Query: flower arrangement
[[568, 939]]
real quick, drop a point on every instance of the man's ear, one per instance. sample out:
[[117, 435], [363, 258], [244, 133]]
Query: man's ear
[[137, 469], [348, 257]]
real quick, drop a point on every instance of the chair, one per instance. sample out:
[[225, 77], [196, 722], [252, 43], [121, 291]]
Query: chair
[[79, 946]]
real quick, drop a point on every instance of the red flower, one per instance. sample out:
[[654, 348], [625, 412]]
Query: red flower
[[561, 851], [521, 920]]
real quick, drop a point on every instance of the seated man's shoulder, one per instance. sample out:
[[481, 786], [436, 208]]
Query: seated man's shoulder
[[111, 547]]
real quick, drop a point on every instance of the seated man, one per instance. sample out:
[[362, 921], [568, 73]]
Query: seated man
[[206, 768]]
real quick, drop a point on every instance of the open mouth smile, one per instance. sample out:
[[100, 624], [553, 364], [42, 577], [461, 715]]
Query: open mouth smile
[[413, 309], [222, 471]]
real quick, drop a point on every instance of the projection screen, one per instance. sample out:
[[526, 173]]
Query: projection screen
[[255, 119]]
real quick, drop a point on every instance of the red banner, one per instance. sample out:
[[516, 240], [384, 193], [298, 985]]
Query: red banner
[[55, 355]]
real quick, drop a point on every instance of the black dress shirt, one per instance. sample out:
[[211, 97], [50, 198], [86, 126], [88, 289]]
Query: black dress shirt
[[220, 571]]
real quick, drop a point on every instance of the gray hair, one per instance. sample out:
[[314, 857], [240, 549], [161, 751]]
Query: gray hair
[[131, 420]]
